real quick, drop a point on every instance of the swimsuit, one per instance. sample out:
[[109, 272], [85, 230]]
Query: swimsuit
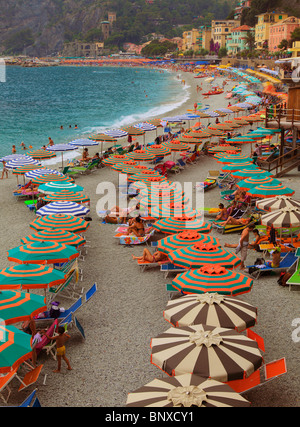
[[61, 351]]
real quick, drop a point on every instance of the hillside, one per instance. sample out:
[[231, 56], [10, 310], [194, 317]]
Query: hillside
[[40, 27]]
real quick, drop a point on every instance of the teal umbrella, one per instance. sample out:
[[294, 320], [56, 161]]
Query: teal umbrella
[[20, 306]]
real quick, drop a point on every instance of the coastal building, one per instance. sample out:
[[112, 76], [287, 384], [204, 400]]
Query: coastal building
[[204, 38], [221, 29], [112, 17], [264, 21], [238, 10], [190, 40], [83, 50], [106, 28], [282, 31], [236, 41], [295, 50]]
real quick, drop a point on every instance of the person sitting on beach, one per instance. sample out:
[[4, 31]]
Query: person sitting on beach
[[4, 170], [137, 228], [236, 221], [276, 256], [85, 157], [148, 257], [137, 146], [223, 215], [115, 216]]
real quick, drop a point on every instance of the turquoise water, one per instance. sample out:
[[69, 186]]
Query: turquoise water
[[35, 102]]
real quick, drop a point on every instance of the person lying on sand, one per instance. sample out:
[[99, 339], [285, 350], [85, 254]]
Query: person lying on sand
[[234, 221], [148, 257]]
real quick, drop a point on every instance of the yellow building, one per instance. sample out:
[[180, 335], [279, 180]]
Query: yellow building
[[295, 49], [263, 26], [203, 41], [190, 40], [221, 29]]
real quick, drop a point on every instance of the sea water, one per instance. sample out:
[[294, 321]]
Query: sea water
[[36, 102]]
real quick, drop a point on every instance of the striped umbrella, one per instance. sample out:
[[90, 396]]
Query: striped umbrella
[[216, 132], [175, 225], [221, 127], [144, 174], [146, 127], [158, 150], [149, 182], [162, 198], [185, 238], [212, 278], [66, 195], [127, 164], [211, 309], [83, 142], [155, 122], [141, 156], [42, 253], [277, 203], [132, 170], [62, 221], [176, 145], [157, 193], [200, 254], [235, 158], [54, 187], [102, 137], [66, 207], [134, 131], [26, 277], [56, 235], [187, 140], [61, 148], [13, 157], [37, 173], [254, 181], [116, 133], [167, 210], [51, 178], [266, 191], [22, 170], [247, 173], [24, 161], [233, 167], [241, 140], [15, 348], [185, 391], [283, 218], [196, 135], [118, 158], [41, 154], [212, 352], [19, 306]]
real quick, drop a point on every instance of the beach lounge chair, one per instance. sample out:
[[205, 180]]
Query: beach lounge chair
[[83, 170], [171, 268], [30, 378], [134, 240], [146, 264], [46, 344], [31, 401], [288, 260], [5, 380]]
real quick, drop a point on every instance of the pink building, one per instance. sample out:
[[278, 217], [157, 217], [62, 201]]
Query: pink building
[[282, 31]]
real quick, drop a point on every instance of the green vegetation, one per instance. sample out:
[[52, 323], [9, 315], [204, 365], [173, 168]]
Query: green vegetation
[[17, 42], [157, 48]]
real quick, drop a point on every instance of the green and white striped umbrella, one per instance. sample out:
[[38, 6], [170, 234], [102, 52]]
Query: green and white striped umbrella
[[185, 238]]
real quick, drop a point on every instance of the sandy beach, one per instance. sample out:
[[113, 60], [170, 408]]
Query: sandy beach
[[127, 310]]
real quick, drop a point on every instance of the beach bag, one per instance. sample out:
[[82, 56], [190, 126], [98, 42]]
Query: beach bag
[[283, 278]]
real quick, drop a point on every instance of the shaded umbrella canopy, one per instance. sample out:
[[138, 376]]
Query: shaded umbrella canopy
[[144, 174], [22, 170], [63, 207], [141, 155], [159, 150], [101, 137], [24, 161], [254, 181], [185, 238], [266, 191], [212, 278], [196, 348], [185, 390], [20, 306], [216, 132], [283, 218], [155, 122], [277, 203], [201, 254], [61, 221], [54, 187], [25, 277], [211, 309], [66, 195], [176, 145], [42, 253], [83, 142], [235, 158], [175, 225], [15, 348], [35, 173], [118, 158], [121, 165], [247, 173], [131, 170], [41, 154], [171, 209], [233, 167], [51, 178], [148, 182], [133, 131], [56, 235]]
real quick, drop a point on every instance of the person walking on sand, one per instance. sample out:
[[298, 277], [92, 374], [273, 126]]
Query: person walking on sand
[[4, 170], [243, 245], [61, 339]]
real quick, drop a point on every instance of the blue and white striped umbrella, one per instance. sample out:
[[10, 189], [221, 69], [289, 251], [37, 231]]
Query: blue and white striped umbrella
[[145, 126], [173, 119], [225, 110], [60, 147], [116, 133], [54, 187], [67, 208], [83, 142], [212, 113], [14, 157], [39, 172], [17, 163], [244, 105]]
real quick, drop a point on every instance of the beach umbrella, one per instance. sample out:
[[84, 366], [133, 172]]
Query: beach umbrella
[[212, 277], [224, 149], [141, 156], [26, 277], [233, 167], [212, 352], [224, 110], [266, 191], [185, 238], [116, 133], [51, 178], [134, 131], [18, 306], [36, 173], [102, 137], [131, 170], [155, 122], [159, 193], [146, 127], [174, 209], [233, 124], [235, 158], [176, 145], [127, 164], [247, 173], [254, 181], [196, 135], [144, 174], [14, 164], [220, 127], [283, 218], [200, 254], [216, 132], [55, 235], [65, 207], [161, 198], [42, 253], [22, 170], [174, 225], [158, 150], [277, 203], [13, 157], [41, 154], [150, 182], [64, 195], [118, 158], [65, 222], [186, 391], [241, 140], [15, 348], [83, 142], [54, 187], [61, 148], [211, 309]]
